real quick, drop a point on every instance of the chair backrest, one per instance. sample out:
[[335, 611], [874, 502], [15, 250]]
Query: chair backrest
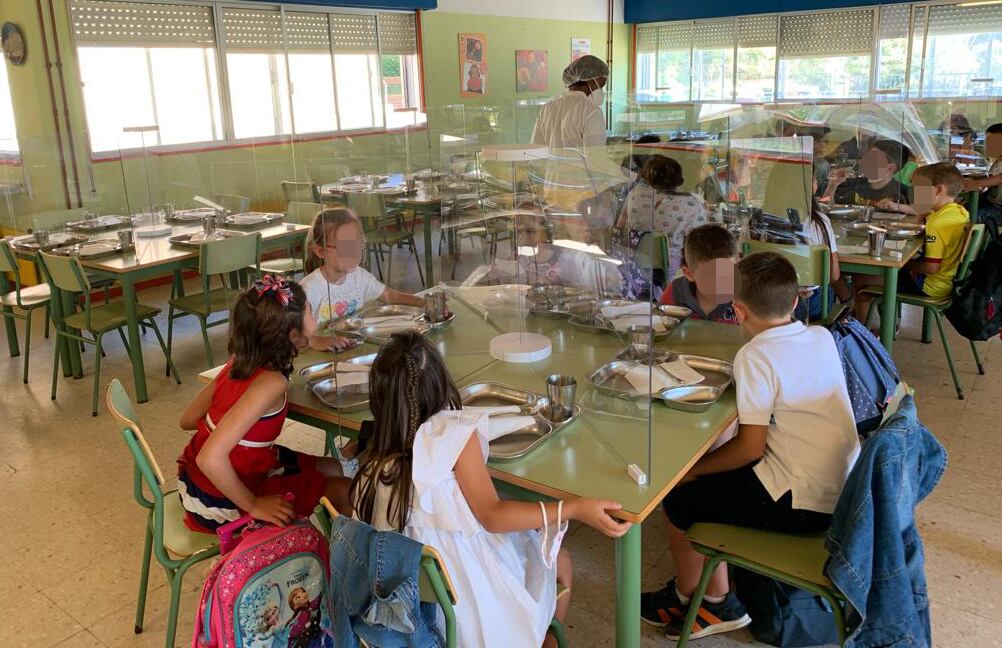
[[368, 206], [229, 255], [972, 248], [812, 262], [65, 272], [233, 203], [300, 191], [302, 213], [8, 263], [652, 251], [121, 408]]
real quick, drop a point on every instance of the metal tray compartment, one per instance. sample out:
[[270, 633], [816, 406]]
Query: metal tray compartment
[[252, 220], [634, 354], [193, 241], [352, 398], [388, 310], [898, 230], [100, 224], [717, 376], [356, 327], [489, 394], [190, 215], [56, 240], [600, 324], [322, 370], [93, 249]]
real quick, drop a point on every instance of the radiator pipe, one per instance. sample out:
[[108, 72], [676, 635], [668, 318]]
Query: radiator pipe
[[66, 105], [52, 98]]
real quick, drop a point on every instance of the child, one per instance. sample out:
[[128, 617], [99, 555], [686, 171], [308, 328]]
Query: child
[[990, 207], [422, 472], [707, 282], [656, 206], [231, 465], [785, 469], [819, 232], [879, 164], [936, 188], [336, 285]]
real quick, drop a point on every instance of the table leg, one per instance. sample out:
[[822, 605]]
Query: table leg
[[888, 308], [135, 342], [8, 318], [628, 589], [429, 258]]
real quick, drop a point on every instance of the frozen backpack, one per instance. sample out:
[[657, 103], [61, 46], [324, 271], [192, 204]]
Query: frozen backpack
[[269, 589]]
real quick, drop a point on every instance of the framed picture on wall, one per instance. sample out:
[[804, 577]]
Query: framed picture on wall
[[580, 47], [531, 71], [472, 65]]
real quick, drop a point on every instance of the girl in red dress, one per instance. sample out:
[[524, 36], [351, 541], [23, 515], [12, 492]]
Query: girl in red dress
[[232, 464]]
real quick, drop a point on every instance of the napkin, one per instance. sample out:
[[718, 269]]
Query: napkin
[[494, 411], [246, 218], [683, 373], [500, 426], [351, 367], [626, 321], [352, 378], [640, 308], [649, 380]]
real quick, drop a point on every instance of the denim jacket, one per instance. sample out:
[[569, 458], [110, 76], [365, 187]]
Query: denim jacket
[[374, 587], [876, 556]]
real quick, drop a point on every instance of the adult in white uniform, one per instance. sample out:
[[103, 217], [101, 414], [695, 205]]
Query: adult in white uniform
[[574, 119]]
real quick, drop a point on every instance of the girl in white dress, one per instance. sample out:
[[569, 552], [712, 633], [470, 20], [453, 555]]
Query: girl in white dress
[[423, 472]]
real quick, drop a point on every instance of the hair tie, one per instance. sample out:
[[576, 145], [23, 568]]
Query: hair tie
[[274, 287]]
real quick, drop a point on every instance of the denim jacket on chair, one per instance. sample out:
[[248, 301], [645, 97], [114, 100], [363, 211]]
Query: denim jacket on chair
[[876, 556], [374, 589]]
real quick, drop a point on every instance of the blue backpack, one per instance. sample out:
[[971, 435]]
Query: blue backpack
[[870, 373]]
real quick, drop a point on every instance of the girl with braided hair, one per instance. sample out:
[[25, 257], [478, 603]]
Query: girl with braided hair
[[232, 464], [422, 472]]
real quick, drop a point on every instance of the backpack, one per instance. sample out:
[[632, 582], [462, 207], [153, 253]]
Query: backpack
[[783, 615], [269, 588], [976, 302], [870, 373]]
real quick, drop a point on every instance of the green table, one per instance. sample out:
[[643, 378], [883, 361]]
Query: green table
[[589, 457], [154, 257]]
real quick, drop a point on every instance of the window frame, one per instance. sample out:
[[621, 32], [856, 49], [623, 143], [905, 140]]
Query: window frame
[[228, 139]]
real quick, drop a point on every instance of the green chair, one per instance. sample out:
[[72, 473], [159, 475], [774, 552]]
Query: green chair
[[300, 213], [812, 263], [300, 191], [65, 273], [24, 298], [233, 204], [382, 228], [228, 259], [176, 547], [935, 307], [434, 583], [652, 252], [794, 559]]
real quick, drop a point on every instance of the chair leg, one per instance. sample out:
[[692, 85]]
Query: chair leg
[[205, 340], [839, 613], [48, 316], [144, 579], [977, 358], [27, 346], [417, 260], [97, 374], [170, 363], [175, 604], [557, 630], [697, 598], [170, 333], [55, 365], [125, 342], [949, 354]]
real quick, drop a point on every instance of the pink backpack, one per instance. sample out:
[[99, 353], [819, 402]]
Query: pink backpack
[[269, 589]]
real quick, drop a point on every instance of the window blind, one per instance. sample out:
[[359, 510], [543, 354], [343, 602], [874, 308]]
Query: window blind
[[713, 34], [647, 38], [307, 31], [353, 33], [255, 29], [895, 21], [675, 36], [100, 22], [826, 34], [397, 34], [756, 31], [956, 19]]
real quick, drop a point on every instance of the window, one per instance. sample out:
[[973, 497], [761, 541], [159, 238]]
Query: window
[[399, 69], [892, 50], [674, 62], [311, 72], [963, 53], [136, 61], [713, 60], [755, 71], [825, 55], [356, 70], [8, 133]]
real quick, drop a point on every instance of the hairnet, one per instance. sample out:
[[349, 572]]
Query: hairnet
[[586, 68]]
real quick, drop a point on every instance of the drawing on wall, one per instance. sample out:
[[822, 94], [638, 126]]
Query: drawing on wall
[[580, 47], [531, 71], [472, 65]]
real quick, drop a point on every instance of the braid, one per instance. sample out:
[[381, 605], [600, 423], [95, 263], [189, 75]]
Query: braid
[[410, 394]]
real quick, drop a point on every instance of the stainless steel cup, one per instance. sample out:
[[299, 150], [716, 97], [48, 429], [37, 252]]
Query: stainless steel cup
[[866, 214], [641, 339], [209, 225], [435, 306], [411, 184], [876, 241], [41, 237], [125, 238], [561, 390]]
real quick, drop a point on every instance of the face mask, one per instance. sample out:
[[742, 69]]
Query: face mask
[[597, 95]]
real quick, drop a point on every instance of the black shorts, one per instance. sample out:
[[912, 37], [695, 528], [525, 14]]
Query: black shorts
[[738, 497]]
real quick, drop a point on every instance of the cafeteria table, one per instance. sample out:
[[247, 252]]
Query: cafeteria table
[[587, 458], [152, 257]]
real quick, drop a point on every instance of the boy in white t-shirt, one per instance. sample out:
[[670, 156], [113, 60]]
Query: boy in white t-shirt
[[785, 468], [337, 286]]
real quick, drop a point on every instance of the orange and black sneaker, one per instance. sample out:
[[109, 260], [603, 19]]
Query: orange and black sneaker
[[662, 607], [712, 618]]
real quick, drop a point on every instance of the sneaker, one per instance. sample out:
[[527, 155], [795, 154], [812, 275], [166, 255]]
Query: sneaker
[[663, 607], [713, 618]]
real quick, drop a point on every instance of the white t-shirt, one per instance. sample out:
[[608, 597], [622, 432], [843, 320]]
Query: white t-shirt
[[675, 215], [333, 300], [570, 120], [821, 234], [790, 378]]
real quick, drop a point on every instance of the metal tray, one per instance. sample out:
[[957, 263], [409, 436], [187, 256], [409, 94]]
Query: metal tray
[[846, 211], [634, 354], [352, 398], [323, 370], [897, 230], [56, 240], [93, 249], [356, 327], [259, 219], [385, 310], [561, 308], [599, 324], [364, 179], [101, 224], [186, 240], [435, 326], [857, 228], [677, 312], [190, 215], [718, 374]]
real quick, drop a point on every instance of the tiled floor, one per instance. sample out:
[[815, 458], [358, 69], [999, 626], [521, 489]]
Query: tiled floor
[[71, 533]]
